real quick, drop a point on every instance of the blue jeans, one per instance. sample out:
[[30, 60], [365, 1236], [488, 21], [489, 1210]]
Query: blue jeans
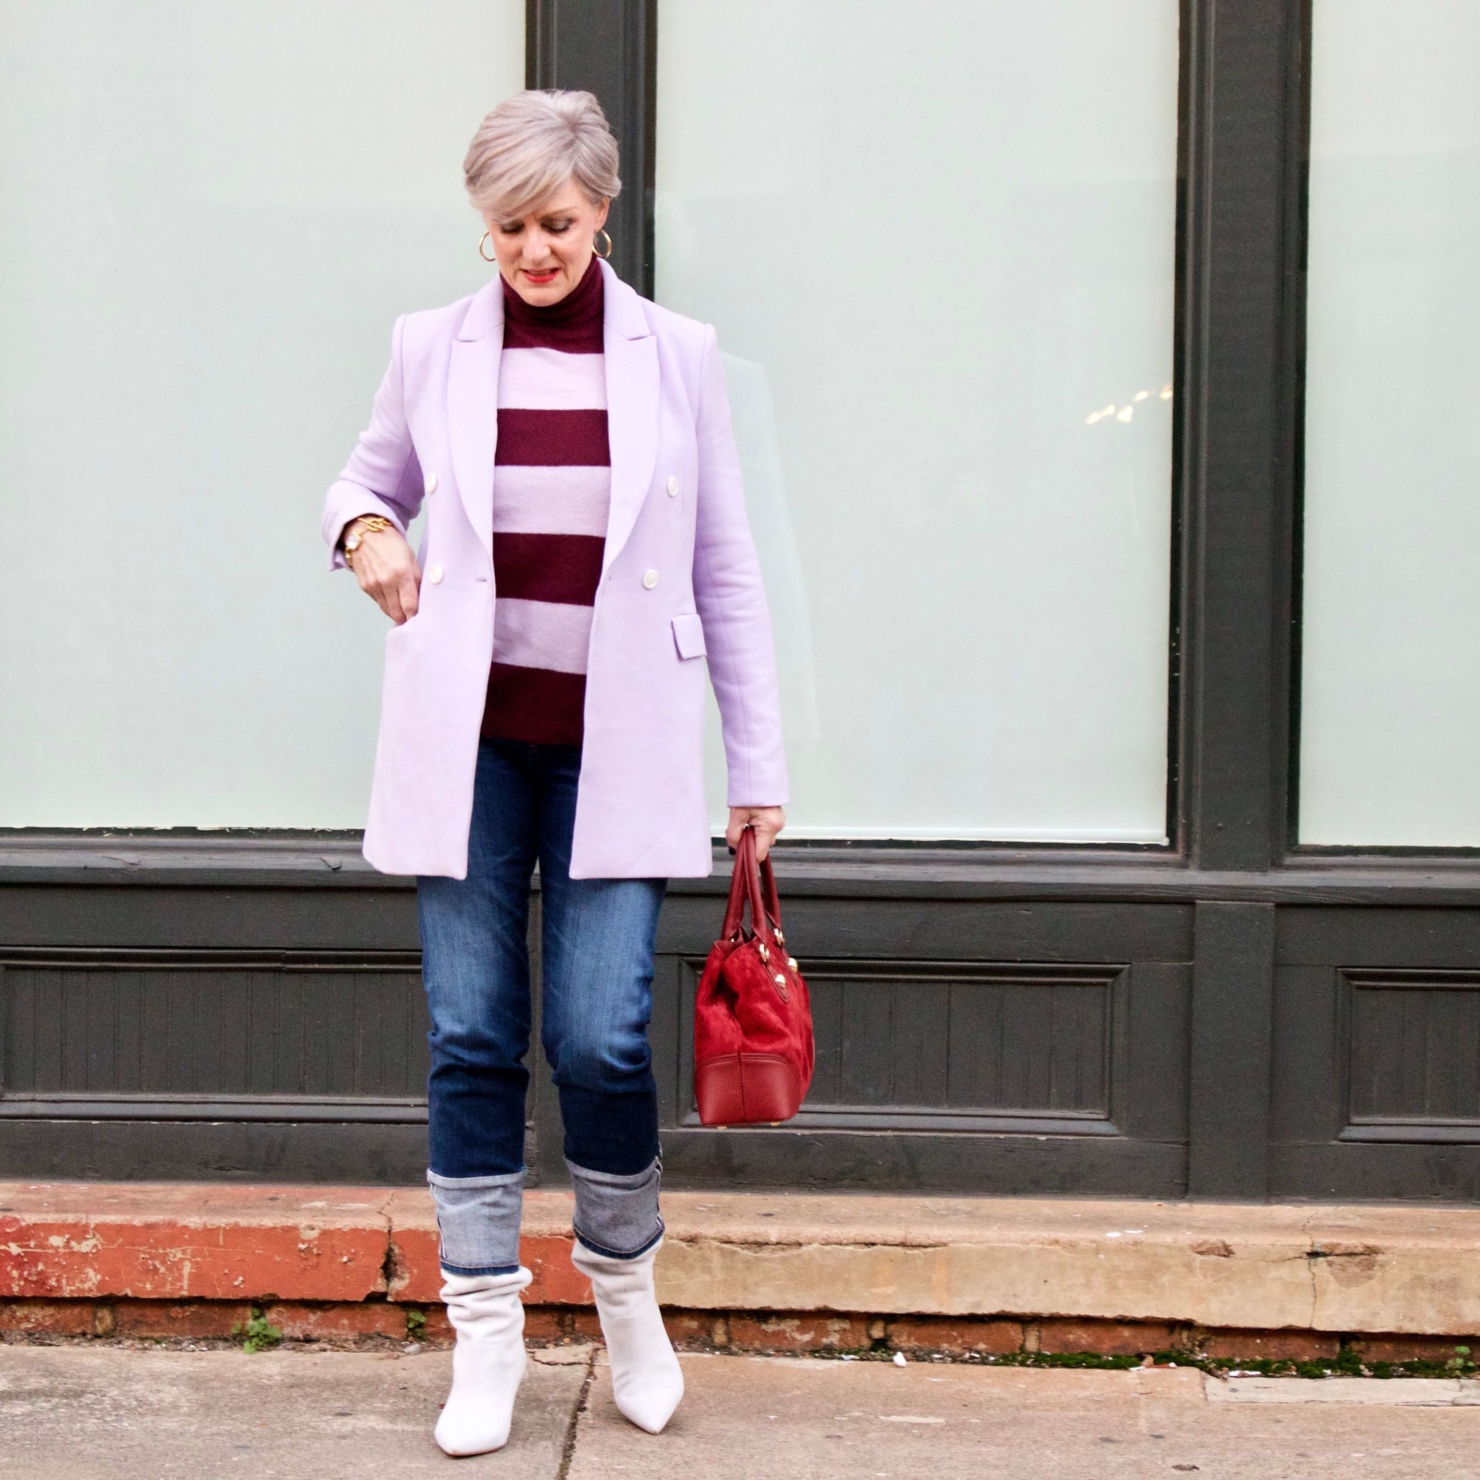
[[596, 1000]]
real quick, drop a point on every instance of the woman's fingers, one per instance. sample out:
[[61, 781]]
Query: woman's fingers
[[370, 582], [765, 835], [387, 572], [766, 822], [389, 599], [385, 593], [408, 590]]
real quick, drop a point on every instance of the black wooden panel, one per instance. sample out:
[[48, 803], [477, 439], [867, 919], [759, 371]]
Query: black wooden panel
[[104, 915], [1345, 1171], [1232, 998], [1414, 1065], [931, 1045], [296, 1150], [205, 1028], [943, 929], [1112, 1043], [1377, 1054], [1010, 1165], [1306, 1097], [1446, 939], [1031, 1042], [1150, 1053], [129, 1088]]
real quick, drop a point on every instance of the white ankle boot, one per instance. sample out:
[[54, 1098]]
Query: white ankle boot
[[487, 1362], [647, 1381]]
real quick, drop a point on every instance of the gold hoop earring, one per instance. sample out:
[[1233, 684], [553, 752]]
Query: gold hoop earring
[[603, 255], [481, 252]]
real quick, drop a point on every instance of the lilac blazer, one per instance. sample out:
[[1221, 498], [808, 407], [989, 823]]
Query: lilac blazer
[[680, 583]]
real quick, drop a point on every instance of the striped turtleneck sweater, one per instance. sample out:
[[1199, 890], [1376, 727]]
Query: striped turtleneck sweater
[[551, 489]]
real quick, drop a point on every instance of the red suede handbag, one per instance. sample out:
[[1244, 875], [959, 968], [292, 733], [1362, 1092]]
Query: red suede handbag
[[753, 1049]]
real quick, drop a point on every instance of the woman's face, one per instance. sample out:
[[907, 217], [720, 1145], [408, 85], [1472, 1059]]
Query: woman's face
[[546, 253]]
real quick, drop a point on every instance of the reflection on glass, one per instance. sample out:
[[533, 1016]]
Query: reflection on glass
[[929, 270]]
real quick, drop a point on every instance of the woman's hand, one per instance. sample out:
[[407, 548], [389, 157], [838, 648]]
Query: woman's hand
[[767, 822], [387, 572]]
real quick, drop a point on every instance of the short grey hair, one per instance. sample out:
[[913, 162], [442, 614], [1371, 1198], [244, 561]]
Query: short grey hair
[[531, 144]]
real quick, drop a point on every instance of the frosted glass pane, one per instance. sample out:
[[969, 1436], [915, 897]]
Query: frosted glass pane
[[1390, 706], [937, 242], [213, 213]]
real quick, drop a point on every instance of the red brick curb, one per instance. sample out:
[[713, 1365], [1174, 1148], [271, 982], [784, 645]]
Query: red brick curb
[[762, 1272], [223, 1243], [355, 1323]]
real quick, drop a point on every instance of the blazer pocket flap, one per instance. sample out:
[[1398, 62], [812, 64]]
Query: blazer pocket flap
[[688, 634]]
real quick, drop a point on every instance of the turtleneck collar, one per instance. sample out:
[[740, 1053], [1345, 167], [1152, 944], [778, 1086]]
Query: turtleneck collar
[[580, 308]]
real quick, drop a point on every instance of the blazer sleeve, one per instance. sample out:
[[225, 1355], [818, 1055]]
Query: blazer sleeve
[[382, 475], [731, 599]]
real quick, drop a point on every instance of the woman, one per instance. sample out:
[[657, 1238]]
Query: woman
[[586, 546]]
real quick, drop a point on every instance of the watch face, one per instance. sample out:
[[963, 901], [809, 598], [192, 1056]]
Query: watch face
[[353, 542]]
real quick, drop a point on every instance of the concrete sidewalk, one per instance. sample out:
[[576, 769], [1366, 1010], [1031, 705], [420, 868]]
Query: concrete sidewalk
[[95, 1412]]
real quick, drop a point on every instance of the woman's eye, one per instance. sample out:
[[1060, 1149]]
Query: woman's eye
[[555, 228]]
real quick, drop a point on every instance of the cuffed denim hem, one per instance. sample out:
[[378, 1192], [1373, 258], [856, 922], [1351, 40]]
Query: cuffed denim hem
[[460, 1269], [478, 1220], [586, 1243], [616, 1215]]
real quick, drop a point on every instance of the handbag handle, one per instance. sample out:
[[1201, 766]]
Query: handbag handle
[[754, 884], [773, 898]]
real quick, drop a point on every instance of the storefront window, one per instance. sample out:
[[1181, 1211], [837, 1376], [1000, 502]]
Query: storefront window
[[1390, 701], [938, 245], [213, 213]]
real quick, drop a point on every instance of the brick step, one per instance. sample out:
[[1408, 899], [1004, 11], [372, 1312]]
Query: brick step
[[1026, 1265], [379, 1323]]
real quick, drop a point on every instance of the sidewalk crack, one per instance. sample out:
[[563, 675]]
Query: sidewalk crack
[[568, 1453]]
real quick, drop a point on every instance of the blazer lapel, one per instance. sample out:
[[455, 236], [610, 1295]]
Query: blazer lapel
[[631, 356], [472, 406]]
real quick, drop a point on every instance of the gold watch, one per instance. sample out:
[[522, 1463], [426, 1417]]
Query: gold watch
[[368, 524]]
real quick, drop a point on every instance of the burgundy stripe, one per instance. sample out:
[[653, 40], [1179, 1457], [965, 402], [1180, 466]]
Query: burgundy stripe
[[548, 567], [535, 439], [574, 339], [534, 705]]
